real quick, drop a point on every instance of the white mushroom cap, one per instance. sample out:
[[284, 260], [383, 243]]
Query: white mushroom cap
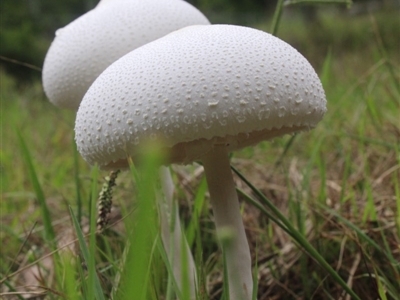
[[88, 45], [195, 88]]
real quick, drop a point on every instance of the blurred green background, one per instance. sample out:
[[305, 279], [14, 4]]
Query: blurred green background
[[27, 27], [350, 162]]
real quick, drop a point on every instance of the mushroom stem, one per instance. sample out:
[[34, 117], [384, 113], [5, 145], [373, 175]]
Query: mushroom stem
[[225, 204], [173, 238]]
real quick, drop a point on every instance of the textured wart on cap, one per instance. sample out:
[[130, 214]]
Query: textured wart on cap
[[197, 87], [85, 47]]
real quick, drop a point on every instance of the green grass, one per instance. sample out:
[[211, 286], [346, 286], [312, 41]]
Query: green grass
[[325, 216]]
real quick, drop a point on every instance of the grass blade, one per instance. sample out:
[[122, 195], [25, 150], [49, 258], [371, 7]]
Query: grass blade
[[383, 53], [13, 290], [364, 237], [93, 281], [326, 69], [171, 278], [292, 2], [277, 17], [95, 290], [49, 234], [69, 273], [257, 204], [77, 184], [286, 148], [301, 240], [194, 225], [143, 227]]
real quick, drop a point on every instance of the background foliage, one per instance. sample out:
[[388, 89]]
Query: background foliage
[[28, 26], [338, 184]]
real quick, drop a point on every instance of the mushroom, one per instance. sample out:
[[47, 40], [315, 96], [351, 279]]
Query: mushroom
[[204, 91], [88, 45]]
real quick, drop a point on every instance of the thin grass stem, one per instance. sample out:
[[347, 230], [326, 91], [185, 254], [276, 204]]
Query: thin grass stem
[[277, 17], [348, 3], [49, 234], [299, 237], [95, 289], [77, 184]]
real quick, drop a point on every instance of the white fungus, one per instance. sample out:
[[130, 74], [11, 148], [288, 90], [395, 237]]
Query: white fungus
[[85, 47], [244, 88], [236, 97]]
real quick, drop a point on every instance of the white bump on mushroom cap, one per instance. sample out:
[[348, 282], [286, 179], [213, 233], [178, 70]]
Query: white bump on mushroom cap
[[85, 47], [196, 87]]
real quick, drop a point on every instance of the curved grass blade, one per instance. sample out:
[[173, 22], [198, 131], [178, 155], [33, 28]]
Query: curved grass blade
[[136, 277], [301, 240], [13, 290], [292, 2], [77, 184], [49, 234], [94, 290], [194, 225], [364, 237], [277, 17], [286, 148], [171, 278], [257, 204]]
